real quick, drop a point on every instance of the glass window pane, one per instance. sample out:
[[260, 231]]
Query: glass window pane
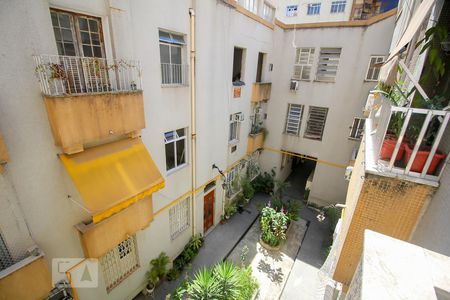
[[82, 22], [164, 52], [170, 156], [54, 19], [64, 20], [69, 49], [67, 35], [60, 48], [175, 55], [93, 25], [57, 34], [181, 152], [169, 136], [181, 132], [95, 39], [85, 38], [97, 51], [164, 36], [87, 51]]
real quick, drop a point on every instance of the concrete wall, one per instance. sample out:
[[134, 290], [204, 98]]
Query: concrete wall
[[344, 98]]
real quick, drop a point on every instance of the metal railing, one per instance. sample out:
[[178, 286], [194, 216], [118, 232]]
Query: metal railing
[[174, 74], [67, 75], [407, 141]]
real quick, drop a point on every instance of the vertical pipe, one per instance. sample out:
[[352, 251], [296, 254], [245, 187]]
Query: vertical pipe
[[193, 116]]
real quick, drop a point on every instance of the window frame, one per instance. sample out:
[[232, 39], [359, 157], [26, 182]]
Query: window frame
[[298, 121], [290, 12], [181, 209], [313, 9], [309, 64], [357, 134], [308, 131], [233, 141], [339, 6], [174, 141], [182, 49], [323, 65], [370, 66], [268, 12]]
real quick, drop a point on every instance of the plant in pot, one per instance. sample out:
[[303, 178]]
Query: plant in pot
[[230, 209], [157, 272], [247, 189], [273, 227]]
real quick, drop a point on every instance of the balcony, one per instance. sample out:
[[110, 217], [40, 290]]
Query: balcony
[[404, 142], [3, 154], [174, 74], [255, 142], [90, 99], [261, 91]]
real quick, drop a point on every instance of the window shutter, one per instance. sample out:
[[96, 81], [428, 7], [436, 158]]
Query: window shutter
[[294, 119], [328, 64], [316, 122]]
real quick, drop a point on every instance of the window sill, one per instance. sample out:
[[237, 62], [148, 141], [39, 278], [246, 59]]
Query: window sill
[[304, 80], [370, 80], [173, 170], [173, 85], [354, 139], [324, 81], [313, 138], [233, 142]]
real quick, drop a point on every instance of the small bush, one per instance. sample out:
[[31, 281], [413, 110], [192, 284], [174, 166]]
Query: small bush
[[273, 226], [189, 253], [264, 182], [173, 274]]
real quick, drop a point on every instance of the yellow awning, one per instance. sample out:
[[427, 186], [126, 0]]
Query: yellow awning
[[111, 177]]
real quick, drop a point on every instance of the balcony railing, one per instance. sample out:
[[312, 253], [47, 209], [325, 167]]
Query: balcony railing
[[70, 75], [174, 74], [407, 142]]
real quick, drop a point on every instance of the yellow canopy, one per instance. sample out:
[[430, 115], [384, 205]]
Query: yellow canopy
[[110, 177]]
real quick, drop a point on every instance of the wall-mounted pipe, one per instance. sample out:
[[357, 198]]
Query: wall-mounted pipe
[[193, 116]]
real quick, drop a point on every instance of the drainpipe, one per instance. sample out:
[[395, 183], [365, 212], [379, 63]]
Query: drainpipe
[[193, 125]]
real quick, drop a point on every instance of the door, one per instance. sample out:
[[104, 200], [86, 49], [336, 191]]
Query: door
[[208, 211]]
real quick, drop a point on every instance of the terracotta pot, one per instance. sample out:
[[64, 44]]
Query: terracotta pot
[[421, 158], [387, 149]]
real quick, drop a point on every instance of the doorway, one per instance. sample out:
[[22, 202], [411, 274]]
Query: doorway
[[208, 211], [260, 66]]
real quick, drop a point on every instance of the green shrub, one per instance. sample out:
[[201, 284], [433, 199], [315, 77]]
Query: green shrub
[[247, 189], [292, 210], [173, 274], [247, 284], [273, 226], [230, 209], [189, 253], [333, 215], [158, 268], [264, 182]]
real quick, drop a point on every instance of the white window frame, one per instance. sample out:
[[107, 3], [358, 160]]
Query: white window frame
[[304, 60], [119, 263], [338, 6], [176, 138], [251, 5], [231, 175], [291, 10], [372, 69], [172, 66], [313, 9], [328, 64], [315, 127], [293, 119], [180, 217], [234, 121], [357, 129], [268, 12]]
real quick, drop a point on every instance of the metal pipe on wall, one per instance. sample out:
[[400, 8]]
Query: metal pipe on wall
[[193, 115]]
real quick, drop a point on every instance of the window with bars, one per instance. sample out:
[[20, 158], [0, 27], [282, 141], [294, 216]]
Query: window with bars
[[232, 181], [304, 59], [235, 125], [179, 217], [293, 119], [313, 9], [119, 262], [315, 124], [175, 146], [171, 48], [291, 10], [357, 128], [373, 71], [338, 6], [328, 64]]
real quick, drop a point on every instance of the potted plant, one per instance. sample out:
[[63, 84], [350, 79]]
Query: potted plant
[[230, 209], [391, 137], [247, 189], [274, 226], [157, 272]]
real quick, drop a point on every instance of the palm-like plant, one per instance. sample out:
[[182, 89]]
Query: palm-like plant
[[227, 276], [204, 286]]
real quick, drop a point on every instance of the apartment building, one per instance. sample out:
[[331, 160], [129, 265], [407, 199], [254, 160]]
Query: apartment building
[[402, 193], [117, 117]]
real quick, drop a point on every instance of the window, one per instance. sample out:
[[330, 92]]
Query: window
[[268, 12], [251, 5], [328, 64], [171, 48], [235, 124], [175, 143], [313, 9], [315, 125], [304, 59], [119, 262], [374, 68], [179, 217], [77, 35], [357, 128], [238, 58], [293, 119], [232, 181], [338, 6], [291, 10]]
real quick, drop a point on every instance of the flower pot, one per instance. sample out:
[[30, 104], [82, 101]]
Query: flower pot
[[387, 149], [421, 158], [268, 247], [149, 288]]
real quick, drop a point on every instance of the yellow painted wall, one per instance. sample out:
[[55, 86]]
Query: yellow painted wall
[[261, 91], [255, 142], [31, 282]]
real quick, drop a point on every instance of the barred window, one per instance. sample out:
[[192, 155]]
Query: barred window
[[357, 128], [313, 9], [373, 71], [179, 217], [293, 119], [315, 125], [232, 181], [119, 262], [328, 64], [291, 10], [304, 59]]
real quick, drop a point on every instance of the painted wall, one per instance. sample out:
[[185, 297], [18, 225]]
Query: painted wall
[[302, 16]]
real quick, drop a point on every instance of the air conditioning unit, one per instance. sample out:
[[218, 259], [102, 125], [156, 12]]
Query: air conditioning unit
[[348, 173], [294, 85]]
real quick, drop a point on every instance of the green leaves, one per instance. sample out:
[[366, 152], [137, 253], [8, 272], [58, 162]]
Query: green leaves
[[273, 226]]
